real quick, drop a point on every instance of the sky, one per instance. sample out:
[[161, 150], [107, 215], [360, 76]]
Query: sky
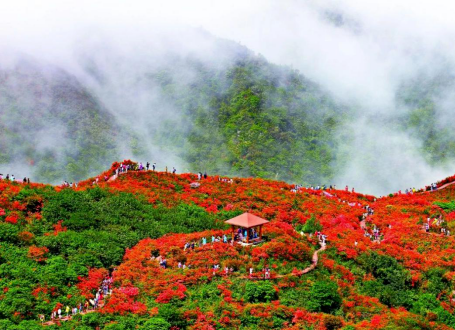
[[360, 51]]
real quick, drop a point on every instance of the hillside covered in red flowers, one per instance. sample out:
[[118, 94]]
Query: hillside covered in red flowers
[[151, 249]]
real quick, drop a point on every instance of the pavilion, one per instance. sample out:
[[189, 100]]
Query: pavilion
[[247, 221]]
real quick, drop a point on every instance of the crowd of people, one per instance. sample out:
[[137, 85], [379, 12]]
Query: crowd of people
[[215, 267], [439, 224], [433, 187], [228, 180], [321, 238], [69, 184], [60, 313], [200, 175], [12, 178], [323, 187], [241, 235], [203, 241], [265, 273], [63, 313], [375, 234], [200, 243], [124, 168], [298, 187]]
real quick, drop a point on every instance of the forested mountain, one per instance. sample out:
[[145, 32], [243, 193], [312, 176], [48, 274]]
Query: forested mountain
[[429, 98], [215, 107], [52, 124], [236, 114]]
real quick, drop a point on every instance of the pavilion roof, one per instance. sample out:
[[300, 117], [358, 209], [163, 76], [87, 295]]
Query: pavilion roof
[[247, 220]]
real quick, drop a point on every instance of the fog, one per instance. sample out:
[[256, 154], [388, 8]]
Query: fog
[[360, 51]]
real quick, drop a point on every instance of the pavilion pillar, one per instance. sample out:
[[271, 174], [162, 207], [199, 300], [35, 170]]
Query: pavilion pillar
[[260, 232], [247, 235], [232, 233]]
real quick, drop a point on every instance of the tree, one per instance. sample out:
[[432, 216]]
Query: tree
[[324, 297], [156, 323], [260, 292], [312, 225]]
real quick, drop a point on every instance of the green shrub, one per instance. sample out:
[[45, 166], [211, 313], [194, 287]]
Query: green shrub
[[324, 297], [311, 225], [392, 285], [156, 323], [256, 292]]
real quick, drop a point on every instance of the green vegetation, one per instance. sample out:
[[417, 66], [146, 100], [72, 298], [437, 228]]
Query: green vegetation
[[324, 297], [312, 225], [260, 292], [99, 226], [247, 117], [449, 206]]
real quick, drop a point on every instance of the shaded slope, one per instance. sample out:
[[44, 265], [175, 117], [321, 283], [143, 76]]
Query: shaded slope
[[52, 125]]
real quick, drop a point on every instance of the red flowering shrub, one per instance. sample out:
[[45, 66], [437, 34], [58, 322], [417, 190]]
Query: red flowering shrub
[[37, 253], [209, 297], [176, 291], [59, 228], [26, 236], [88, 285], [12, 218], [130, 291], [121, 303]]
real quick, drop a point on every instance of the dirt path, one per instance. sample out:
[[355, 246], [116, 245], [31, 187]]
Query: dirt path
[[437, 189], [67, 318], [112, 178], [445, 186], [314, 263]]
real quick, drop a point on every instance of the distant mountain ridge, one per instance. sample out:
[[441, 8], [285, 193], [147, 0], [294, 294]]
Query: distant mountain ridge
[[215, 107], [52, 123], [237, 114]]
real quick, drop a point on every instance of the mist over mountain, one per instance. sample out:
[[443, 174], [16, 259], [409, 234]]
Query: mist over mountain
[[231, 114], [52, 126]]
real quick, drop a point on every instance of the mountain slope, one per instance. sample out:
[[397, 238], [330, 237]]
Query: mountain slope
[[52, 124], [233, 114], [212, 105], [58, 244]]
